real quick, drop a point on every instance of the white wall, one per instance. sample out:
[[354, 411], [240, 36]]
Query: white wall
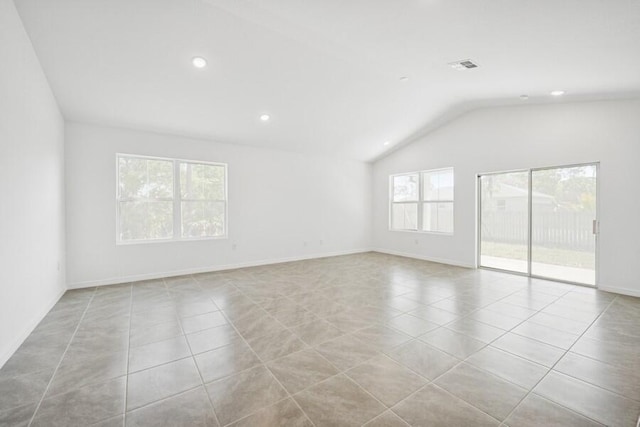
[[277, 201], [505, 138], [32, 187]]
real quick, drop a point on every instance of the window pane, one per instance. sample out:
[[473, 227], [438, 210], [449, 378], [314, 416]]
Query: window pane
[[203, 219], [404, 216], [504, 221], [445, 184], [437, 217], [430, 182], [563, 208], [405, 188], [202, 182], [438, 185], [145, 178], [430, 217], [144, 220]]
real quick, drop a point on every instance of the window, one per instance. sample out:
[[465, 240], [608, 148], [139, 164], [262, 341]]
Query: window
[[438, 201], [145, 199], [422, 201], [169, 199], [404, 210], [202, 199]]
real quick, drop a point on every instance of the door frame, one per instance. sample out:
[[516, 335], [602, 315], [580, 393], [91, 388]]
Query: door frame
[[530, 171]]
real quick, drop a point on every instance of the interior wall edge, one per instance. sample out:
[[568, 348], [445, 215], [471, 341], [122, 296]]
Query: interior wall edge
[[618, 290], [28, 329], [32, 248], [209, 269], [425, 258]]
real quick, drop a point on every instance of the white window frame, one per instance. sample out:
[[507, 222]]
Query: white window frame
[[420, 202], [177, 201]]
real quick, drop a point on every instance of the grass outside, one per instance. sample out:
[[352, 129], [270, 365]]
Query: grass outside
[[552, 256]]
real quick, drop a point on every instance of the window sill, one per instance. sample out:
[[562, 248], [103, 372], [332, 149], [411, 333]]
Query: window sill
[[437, 233], [161, 241]]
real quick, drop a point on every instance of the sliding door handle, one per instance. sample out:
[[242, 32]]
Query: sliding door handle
[[596, 226]]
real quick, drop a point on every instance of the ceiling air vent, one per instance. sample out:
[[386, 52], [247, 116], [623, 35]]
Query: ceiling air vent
[[463, 64]]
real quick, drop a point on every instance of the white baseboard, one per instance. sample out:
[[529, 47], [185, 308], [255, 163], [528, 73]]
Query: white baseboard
[[622, 291], [26, 331], [425, 258], [209, 269]]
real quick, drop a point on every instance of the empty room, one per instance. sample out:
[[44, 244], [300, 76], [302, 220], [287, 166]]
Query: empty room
[[261, 213]]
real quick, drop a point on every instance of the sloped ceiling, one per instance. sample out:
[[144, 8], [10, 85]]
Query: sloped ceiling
[[326, 71]]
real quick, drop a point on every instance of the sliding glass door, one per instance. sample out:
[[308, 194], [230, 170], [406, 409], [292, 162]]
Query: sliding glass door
[[540, 222]]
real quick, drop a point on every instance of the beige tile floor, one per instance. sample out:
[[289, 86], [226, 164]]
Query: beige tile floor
[[366, 339]]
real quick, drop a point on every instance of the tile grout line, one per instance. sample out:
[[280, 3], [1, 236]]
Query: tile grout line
[[556, 299], [637, 399], [340, 372], [163, 364], [502, 335], [554, 365], [244, 417], [289, 396], [265, 364], [343, 372], [366, 290], [314, 348], [95, 290], [193, 357], [126, 389], [432, 383], [461, 361], [487, 344], [388, 408], [379, 416]]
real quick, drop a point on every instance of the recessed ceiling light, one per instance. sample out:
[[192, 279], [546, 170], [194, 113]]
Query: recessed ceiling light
[[524, 97], [557, 93], [387, 143], [199, 62], [265, 117], [404, 79]]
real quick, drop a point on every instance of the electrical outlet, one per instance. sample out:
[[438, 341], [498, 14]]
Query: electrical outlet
[[304, 243], [234, 246], [321, 242]]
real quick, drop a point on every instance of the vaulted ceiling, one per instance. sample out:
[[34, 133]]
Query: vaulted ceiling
[[328, 72]]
